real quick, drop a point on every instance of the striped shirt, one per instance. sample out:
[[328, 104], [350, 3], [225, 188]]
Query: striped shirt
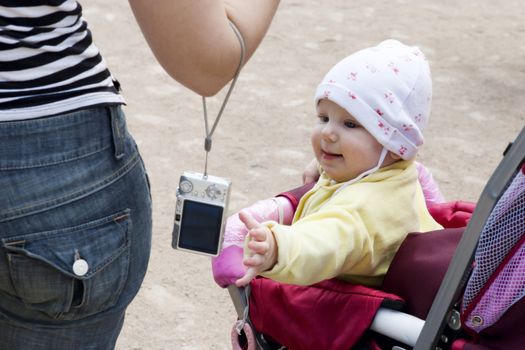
[[48, 62]]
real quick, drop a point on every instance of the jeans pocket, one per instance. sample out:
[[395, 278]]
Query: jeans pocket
[[73, 272]]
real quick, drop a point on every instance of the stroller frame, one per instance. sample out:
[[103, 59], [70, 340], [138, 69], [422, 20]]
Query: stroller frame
[[441, 311]]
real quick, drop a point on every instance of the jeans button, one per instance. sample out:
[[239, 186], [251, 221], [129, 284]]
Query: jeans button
[[80, 267]]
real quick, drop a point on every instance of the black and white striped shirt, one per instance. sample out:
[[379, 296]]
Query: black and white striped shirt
[[48, 62]]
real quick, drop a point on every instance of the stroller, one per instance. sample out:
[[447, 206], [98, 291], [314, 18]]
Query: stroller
[[456, 288]]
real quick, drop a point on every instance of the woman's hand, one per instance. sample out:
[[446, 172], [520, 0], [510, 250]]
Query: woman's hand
[[311, 172]]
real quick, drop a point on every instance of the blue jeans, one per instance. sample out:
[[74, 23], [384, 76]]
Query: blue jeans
[[75, 230]]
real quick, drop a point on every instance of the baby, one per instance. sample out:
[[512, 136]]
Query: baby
[[371, 110]]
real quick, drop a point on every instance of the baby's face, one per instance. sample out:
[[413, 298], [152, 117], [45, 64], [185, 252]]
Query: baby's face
[[341, 145]]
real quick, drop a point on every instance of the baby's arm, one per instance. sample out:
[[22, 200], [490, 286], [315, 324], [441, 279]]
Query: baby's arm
[[277, 209], [228, 266], [320, 246], [262, 249], [429, 186]]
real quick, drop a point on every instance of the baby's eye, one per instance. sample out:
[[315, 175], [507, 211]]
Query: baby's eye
[[323, 118], [350, 124]]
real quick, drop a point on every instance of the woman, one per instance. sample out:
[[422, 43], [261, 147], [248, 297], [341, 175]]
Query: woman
[[75, 207]]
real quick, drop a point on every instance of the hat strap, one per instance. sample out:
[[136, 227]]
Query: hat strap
[[382, 157]]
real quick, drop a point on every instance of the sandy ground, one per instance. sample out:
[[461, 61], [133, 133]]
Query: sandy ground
[[476, 50]]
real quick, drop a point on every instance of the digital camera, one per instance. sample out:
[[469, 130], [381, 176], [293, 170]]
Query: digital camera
[[202, 203]]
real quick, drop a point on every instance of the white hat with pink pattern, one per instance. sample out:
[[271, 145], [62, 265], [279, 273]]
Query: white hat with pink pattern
[[388, 89]]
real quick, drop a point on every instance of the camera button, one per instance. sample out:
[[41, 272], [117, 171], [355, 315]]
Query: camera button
[[186, 186]]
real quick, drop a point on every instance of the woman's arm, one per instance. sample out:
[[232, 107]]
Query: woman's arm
[[193, 40]]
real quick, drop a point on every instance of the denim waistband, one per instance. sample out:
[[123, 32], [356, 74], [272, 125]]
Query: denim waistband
[[56, 139]]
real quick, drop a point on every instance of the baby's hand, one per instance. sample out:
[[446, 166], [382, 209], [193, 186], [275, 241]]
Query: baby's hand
[[263, 247]]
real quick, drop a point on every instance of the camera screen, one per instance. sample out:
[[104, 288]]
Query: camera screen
[[200, 228]]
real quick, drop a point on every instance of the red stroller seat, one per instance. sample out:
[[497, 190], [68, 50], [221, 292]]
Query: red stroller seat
[[337, 314]]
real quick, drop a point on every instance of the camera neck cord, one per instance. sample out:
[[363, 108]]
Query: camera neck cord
[[207, 140]]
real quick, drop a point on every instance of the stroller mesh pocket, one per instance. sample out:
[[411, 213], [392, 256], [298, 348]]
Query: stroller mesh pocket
[[498, 277]]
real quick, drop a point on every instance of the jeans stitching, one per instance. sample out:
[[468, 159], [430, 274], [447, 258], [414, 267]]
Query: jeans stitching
[[56, 162], [38, 207], [68, 230]]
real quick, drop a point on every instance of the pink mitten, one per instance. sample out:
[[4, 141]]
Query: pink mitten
[[430, 187], [228, 266]]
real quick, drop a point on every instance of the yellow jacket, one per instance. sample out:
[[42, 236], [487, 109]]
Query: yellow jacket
[[352, 234]]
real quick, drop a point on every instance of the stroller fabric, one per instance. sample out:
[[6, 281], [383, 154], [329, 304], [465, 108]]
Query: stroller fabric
[[423, 259], [328, 315], [419, 267]]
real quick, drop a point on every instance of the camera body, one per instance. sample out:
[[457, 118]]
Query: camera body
[[202, 203]]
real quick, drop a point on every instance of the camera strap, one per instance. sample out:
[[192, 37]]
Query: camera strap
[[209, 133]]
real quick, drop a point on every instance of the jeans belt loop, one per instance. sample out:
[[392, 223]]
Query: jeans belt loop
[[117, 131]]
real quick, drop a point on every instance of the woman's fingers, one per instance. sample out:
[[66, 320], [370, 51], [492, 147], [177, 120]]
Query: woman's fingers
[[311, 172]]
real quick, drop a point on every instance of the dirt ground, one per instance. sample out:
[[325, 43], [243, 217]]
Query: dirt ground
[[476, 51]]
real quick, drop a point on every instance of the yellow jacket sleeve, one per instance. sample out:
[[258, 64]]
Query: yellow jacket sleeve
[[321, 246]]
